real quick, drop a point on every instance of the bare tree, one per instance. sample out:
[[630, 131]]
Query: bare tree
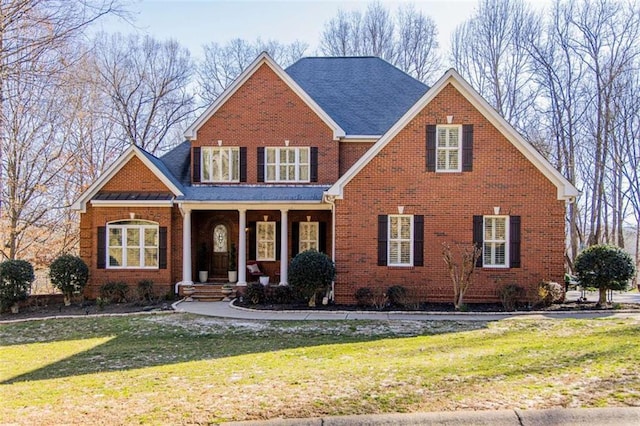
[[407, 40], [223, 63], [461, 272], [147, 81]]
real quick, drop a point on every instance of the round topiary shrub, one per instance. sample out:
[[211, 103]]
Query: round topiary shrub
[[604, 267], [16, 277], [69, 274], [310, 273]]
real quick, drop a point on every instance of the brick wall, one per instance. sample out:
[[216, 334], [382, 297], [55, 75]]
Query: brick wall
[[350, 152], [134, 176], [266, 112], [501, 176]]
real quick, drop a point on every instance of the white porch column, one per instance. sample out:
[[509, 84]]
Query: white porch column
[[284, 244], [242, 248], [187, 277]]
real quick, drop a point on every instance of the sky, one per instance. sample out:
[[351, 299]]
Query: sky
[[197, 22]]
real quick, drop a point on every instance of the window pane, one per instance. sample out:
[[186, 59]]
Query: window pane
[[442, 137], [115, 257], [500, 229], [405, 231], [283, 173], [133, 237], [453, 159], [304, 155], [500, 254], [393, 228], [453, 137], [115, 236], [235, 164], [151, 237], [405, 252], [488, 228], [224, 165], [487, 253], [206, 165], [304, 172], [151, 257], [313, 231], [442, 160], [133, 257], [271, 155], [393, 252], [271, 173]]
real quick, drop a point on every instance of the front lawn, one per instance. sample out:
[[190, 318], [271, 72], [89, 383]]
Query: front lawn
[[185, 369]]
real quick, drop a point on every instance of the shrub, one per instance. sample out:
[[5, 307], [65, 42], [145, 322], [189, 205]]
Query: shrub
[[510, 295], [364, 296], [549, 292], [255, 293], [282, 294], [69, 274], [114, 291], [310, 273], [397, 296], [604, 267], [145, 291], [16, 277]]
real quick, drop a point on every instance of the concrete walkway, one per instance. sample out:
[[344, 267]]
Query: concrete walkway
[[226, 310]]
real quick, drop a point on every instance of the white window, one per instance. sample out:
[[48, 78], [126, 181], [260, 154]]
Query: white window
[[266, 241], [495, 247], [448, 148], [287, 164], [132, 244], [400, 250], [220, 164], [308, 236]]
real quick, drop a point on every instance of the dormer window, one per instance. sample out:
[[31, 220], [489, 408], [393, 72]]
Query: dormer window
[[287, 164], [220, 164]]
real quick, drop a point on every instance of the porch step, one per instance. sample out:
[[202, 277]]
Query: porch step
[[208, 292]]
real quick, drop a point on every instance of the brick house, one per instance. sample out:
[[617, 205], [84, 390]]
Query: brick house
[[349, 156]]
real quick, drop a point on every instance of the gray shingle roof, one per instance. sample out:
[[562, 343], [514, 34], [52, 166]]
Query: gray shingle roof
[[364, 95], [257, 193]]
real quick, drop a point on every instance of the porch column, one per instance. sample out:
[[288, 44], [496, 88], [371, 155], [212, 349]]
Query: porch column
[[284, 244], [242, 247], [187, 277]]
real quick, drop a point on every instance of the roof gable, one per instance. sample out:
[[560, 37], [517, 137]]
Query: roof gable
[[565, 190], [364, 95], [151, 162], [263, 60]]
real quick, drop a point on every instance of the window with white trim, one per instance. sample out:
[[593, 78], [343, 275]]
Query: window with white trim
[[495, 247], [400, 249], [308, 235], [266, 240], [449, 148], [132, 244], [220, 164], [287, 164]]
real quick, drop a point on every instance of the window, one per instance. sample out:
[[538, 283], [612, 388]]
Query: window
[[266, 240], [132, 244], [220, 239], [309, 232], [287, 164], [496, 236], [448, 148], [220, 164], [400, 240]]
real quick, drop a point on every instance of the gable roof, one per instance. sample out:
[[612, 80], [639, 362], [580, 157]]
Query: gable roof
[[261, 60], [566, 191], [364, 95], [157, 167]]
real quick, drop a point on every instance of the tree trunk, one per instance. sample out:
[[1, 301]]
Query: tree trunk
[[602, 300]]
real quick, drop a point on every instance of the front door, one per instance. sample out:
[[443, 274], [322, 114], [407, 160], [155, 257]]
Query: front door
[[220, 251]]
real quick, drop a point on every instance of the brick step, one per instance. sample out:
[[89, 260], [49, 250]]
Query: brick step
[[208, 292]]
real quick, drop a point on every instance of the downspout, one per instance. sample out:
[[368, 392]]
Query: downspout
[[331, 200]]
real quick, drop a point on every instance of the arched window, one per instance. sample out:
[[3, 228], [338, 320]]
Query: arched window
[[132, 244], [220, 239]]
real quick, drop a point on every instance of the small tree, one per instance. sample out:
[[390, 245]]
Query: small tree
[[460, 273], [69, 274], [16, 277], [311, 272], [604, 267]]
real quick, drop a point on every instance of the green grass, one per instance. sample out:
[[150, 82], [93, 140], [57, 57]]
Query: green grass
[[183, 369]]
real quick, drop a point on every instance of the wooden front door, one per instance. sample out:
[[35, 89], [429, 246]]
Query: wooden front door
[[220, 259]]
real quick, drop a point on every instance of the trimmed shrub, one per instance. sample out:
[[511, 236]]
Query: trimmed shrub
[[604, 267], [114, 291], [510, 295], [364, 296], [549, 292], [69, 274], [255, 293], [398, 296], [310, 273], [16, 277], [282, 295], [145, 291]]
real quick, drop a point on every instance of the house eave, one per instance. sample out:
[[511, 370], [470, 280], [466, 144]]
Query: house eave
[[132, 203]]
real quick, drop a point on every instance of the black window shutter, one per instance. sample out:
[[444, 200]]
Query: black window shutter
[[467, 147], [278, 239], [162, 248], [196, 164], [314, 164], [514, 241], [253, 238], [382, 240], [260, 164], [478, 233], [102, 247], [243, 164], [295, 239], [418, 240], [322, 237], [431, 148]]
